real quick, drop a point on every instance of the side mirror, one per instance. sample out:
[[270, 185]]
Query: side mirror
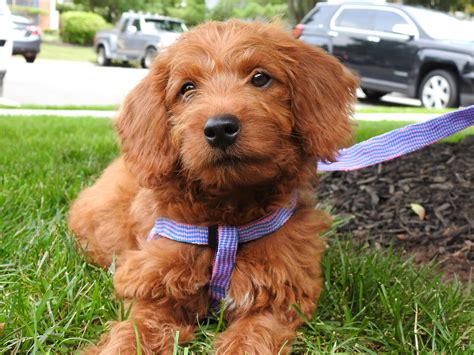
[[132, 29], [404, 29]]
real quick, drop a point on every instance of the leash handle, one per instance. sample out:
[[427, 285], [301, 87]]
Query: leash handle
[[400, 141]]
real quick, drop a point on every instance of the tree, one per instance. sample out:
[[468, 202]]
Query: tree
[[297, 9]]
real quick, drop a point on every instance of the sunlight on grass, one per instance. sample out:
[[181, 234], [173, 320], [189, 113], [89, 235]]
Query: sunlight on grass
[[51, 300], [66, 52]]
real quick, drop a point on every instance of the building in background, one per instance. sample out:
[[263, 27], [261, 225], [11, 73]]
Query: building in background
[[42, 12]]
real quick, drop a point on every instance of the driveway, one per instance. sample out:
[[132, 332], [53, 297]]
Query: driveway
[[55, 82]]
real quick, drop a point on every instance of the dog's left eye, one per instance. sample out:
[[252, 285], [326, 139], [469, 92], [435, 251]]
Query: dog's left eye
[[260, 80], [187, 87]]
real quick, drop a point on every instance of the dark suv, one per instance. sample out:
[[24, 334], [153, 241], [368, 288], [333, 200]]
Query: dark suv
[[394, 48]]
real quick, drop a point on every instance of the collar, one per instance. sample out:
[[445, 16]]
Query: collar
[[226, 238]]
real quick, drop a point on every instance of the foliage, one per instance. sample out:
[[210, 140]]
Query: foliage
[[80, 27], [297, 9], [248, 10], [193, 13]]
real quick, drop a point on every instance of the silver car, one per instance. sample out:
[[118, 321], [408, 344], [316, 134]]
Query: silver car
[[137, 37], [6, 42]]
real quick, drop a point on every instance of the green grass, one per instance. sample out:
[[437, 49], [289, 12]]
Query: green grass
[[401, 109], [66, 52], [51, 300], [368, 129]]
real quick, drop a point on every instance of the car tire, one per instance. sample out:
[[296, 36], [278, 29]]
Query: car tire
[[374, 95], [150, 55], [439, 89], [30, 58], [102, 59]]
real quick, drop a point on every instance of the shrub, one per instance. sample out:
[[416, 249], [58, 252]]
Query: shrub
[[80, 27]]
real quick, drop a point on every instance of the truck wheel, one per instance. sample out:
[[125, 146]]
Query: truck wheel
[[439, 89], [30, 58], [373, 95], [150, 55], [102, 59]]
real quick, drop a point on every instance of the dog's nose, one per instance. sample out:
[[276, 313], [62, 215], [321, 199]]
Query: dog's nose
[[221, 131]]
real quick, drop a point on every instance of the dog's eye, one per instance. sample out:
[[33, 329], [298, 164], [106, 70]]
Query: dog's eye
[[260, 80], [187, 87]]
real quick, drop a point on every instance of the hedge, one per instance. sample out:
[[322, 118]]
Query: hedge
[[79, 27]]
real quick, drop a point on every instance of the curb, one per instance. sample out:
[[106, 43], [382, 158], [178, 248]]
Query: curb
[[414, 117]]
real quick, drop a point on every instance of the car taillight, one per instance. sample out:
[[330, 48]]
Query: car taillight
[[298, 30], [33, 30]]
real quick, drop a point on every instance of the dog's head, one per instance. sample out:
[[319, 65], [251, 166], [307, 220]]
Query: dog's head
[[236, 104]]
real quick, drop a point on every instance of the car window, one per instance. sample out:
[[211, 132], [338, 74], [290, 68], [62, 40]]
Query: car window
[[124, 25], [320, 17], [385, 20], [362, 19], [136, 23], [155, 25]]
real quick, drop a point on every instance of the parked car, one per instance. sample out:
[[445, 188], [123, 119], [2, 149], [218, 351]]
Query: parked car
[[5, 41], [422, 53], [26, 38], [137, 37]]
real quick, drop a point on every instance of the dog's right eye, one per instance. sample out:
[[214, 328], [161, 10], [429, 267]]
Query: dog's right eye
[[186, 88]]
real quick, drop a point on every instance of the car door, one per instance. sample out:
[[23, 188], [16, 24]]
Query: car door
[[396, 49], [133, 39], [351, 30], [121, 38]]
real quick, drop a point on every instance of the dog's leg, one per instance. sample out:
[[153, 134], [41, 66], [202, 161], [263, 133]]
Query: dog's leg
[[256, 334], [100, 215], [167, 282], [151, 326]]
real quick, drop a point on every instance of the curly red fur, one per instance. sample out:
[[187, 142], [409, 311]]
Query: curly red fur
[[167, 169]]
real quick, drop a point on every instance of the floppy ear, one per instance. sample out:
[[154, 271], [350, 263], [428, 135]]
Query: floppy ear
[[323, 92], [144, 128]]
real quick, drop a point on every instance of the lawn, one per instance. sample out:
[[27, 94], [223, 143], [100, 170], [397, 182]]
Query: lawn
[[51, 300], [66, 52]]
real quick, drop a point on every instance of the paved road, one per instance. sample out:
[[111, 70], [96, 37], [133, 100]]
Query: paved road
[[54, 82]]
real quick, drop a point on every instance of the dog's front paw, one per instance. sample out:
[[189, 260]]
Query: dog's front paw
[[258, 334], [139, 277]]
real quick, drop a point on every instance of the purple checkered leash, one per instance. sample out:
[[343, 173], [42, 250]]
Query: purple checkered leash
[[373, 151], [400, 141], [226, 238]]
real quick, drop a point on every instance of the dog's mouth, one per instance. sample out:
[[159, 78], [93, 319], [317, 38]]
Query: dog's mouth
[[229, 160]]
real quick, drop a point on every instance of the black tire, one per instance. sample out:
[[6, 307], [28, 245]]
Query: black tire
[[150, 55], [102, 59], [439, 89], [30, 58], [374, 95]]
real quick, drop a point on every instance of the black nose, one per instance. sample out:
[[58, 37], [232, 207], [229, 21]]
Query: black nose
[[221, 131]]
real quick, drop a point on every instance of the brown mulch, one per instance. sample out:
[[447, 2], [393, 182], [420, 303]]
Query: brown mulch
[[440, 178]]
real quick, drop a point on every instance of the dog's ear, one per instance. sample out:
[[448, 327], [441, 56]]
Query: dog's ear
[[323, 92], [144, 128]]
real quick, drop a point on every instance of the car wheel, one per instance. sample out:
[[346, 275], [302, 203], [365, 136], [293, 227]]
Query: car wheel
[[439, 89], [373, 95], [102, 59], [150, 55], [30, 58]]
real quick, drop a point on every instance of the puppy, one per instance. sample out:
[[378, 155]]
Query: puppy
[[288, 105]]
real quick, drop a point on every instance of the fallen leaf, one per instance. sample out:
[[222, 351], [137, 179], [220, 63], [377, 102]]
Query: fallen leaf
[[419, 210]]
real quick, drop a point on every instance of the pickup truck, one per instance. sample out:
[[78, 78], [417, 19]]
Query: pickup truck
[[137, 36]]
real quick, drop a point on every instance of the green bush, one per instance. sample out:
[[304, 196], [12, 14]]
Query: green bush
[[80, 27]]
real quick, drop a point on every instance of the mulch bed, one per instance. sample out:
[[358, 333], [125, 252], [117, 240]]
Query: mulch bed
[[440, 178]]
